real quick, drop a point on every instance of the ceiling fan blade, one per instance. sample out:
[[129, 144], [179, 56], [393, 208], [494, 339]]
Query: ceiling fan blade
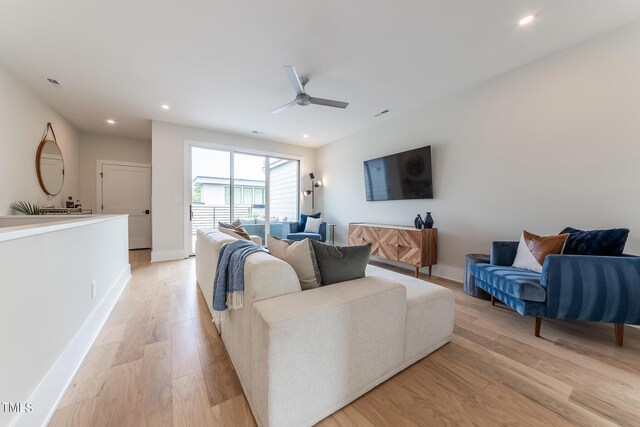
[[284, 107], [293, 77], [329, 102]]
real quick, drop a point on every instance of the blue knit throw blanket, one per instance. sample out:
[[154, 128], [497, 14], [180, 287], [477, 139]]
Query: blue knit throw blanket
[[228, 285]]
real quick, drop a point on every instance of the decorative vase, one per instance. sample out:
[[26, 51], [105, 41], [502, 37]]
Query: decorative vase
[[418, 222], [428, 221]]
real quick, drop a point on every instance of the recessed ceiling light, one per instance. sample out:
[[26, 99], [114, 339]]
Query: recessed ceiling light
[[111, 121], [527, 20], [165, 106], [305, 135]]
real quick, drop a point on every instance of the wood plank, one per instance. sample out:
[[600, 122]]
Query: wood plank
[[133, 339], [158, 327], [157, 402], [120, 401], [91, 375], [184, 350], [234, 412], [190, 404], [77, 414]]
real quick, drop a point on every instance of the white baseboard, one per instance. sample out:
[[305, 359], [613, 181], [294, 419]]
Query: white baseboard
[[167, 255], [49, 392]]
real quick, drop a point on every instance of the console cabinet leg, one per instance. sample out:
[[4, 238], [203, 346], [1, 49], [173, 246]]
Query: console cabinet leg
[[430, 271], [619, 327], [538, 324], [417, 272]]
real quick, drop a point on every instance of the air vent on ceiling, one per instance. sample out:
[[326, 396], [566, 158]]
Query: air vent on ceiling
[[53, 82], [256, 132], [385, 111]]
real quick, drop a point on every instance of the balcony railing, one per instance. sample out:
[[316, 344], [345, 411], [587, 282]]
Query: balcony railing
[[208, 216]]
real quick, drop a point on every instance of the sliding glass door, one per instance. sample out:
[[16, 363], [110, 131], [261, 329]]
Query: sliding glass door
[[260, 191]]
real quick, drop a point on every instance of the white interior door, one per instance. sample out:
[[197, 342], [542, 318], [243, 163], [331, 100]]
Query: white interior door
[[126, 189]]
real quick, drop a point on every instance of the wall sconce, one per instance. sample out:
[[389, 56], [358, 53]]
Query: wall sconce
[[314, 184]]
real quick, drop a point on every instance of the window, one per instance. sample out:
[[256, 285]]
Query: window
[[247, 196], [258, 196], [227, 195]]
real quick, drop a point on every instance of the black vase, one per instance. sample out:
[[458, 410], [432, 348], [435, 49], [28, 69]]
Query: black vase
[[428, 221], [418, 222]]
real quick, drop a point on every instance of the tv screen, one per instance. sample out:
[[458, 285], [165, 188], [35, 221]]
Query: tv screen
[[399, 176]]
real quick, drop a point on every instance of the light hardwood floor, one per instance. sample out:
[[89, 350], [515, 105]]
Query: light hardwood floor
[[158, 361]]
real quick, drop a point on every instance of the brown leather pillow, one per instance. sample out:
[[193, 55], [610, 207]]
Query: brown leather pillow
[[241, 231], [533, 249]]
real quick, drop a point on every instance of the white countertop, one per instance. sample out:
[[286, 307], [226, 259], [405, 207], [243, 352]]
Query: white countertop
[[66, 222]]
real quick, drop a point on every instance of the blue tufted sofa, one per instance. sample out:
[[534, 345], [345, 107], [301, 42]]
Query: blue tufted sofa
[[573, 287]]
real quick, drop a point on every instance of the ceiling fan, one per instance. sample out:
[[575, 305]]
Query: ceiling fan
[[302, 98]]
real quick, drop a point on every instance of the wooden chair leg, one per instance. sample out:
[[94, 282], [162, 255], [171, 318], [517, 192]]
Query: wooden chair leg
[[538, 324], [493, 300], [619, 327]]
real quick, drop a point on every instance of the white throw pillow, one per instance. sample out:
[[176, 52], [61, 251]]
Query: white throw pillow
[[300, 256], [313, 225]]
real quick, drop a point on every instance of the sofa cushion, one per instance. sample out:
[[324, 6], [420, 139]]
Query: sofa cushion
[[238, 232], [230, 225], [341, 263], [302, 236], [532, 250], [518, 283], [303, 219], [313, 225], [300, 256], [596, 242]]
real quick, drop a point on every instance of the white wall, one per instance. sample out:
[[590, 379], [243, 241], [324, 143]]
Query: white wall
[[23, 119], [168, 178], [48, 316], [94, 147], [552, 144]]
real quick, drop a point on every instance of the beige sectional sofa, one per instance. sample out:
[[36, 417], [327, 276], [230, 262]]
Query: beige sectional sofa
[[300, 356]]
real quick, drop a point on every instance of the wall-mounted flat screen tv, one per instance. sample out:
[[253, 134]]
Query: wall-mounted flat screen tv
[[405, 175]]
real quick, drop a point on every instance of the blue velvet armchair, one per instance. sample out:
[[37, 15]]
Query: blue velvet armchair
[[572, 287], [296, 232]]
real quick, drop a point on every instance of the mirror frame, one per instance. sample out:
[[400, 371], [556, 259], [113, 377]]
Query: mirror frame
[[44, 142]]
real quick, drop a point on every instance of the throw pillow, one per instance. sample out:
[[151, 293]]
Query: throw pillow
[[300, 256], [341, 263], [303, 219], [532, 250], [237, 232], [231, 225], [597, 242], [313, 225]]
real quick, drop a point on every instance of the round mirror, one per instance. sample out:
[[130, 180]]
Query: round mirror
[[50, 167]]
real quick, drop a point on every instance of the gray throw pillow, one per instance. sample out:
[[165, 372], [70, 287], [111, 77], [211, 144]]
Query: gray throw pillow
[[341, 263]]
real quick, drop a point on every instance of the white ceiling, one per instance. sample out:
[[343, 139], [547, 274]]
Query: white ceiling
[[219, 63]]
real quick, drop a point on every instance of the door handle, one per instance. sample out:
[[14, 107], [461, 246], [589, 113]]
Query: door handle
[[190, 212], [147, 212]]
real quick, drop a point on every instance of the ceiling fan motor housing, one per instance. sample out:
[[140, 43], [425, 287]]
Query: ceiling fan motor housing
[[303, 99]]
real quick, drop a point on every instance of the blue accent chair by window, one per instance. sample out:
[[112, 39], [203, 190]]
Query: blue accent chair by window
[[571, 287], [296, 232]]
